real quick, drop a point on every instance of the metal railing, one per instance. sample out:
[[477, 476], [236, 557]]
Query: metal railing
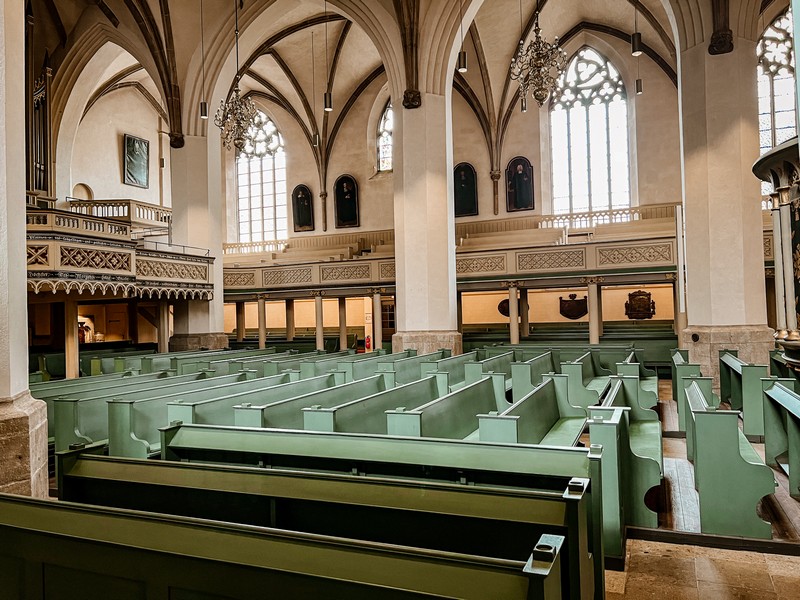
[[174, 248]]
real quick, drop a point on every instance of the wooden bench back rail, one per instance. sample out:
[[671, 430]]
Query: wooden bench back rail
[[368, 414], [273, 366], [367, 367], [587, 383], [778, 366], [47, 383], [193, 558], [288, 412], [225, 365], [525, 376], [729, 476], [86, 386], [500, 363], [624, 391], [221, 408], [84, 417], [156, 360], [407, 370], [740, 386], [782, 429], [326, 365], [453, 416], [133, 423], [190, 365], [681, 368], [544, 416], [453, 366]]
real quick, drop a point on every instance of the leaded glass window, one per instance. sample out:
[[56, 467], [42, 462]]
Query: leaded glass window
[[776, 110], [589, 137], [261, 188], [385, 129]]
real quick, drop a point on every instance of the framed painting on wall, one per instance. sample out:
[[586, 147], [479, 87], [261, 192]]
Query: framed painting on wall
[[519, 184], [136, 161], [303, 208], [345, 192], [465, 190]]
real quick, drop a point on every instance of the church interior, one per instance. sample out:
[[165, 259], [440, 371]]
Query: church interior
[[476, 299]]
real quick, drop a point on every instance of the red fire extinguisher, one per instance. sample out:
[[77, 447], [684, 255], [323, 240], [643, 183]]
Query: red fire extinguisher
[[367, 343]]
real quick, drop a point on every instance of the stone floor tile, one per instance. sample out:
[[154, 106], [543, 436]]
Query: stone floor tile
[[786, 585], [615, 582], [648, 587], [668, 570], [733, 573], [715, 591], [662, 549], [756, 558], [780, 564]]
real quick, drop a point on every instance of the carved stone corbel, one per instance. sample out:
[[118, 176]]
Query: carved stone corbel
[[722, 38]]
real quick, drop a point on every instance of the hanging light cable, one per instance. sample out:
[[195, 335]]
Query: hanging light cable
[[236, 116], [315, 138], [462, 55], [328, 100], [203, 103]]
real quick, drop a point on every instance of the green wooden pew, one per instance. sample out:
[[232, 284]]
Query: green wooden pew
[[156, 361], [83, 417], [287, 412], [66, 549], [729, 475], [525, 376], [454, 415], [500, 363], [61, 387], [408, 369], [368, 414], [588, 381], [453, 366], [635, 432], [681, 368], [543, 416], [782, 429], [223, 365], [193, 363], [329, 364], [778, 367], [740, 386], [648, 378], [134, 419], [278, 363], [367, 367], [223, 408], [468, 463]]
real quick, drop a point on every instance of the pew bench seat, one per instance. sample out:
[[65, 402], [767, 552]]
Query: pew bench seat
[[598, 384], [565, 432], [645, 437]]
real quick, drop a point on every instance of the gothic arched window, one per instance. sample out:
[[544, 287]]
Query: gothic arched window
[[589, 137], [261, 190], [776, 112], [385, 129]]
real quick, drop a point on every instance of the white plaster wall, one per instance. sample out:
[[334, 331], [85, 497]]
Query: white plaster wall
[[97, 158], [469, 145]]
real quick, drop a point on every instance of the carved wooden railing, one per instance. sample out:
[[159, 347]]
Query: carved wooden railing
[[139, 214], [254, 247], [58, 221]]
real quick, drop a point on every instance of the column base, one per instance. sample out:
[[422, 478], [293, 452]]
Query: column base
[[23, 446], [704, 343], [198, 341], [425, 342]]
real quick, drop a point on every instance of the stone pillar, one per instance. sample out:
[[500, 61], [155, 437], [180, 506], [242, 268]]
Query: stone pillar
[[197, 220], [23, 420], [513, 313], [319, 320], [262, 322], [787, 263], [377, 320], [289, 320], [724, 250], [72, 365], [679, 317], [342, 323], [424, 228], [524, 313], [777, 254], [595, 310], [241, 325], [163, 326]]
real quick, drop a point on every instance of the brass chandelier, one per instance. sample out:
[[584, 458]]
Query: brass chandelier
[[236, 115], [537, 67]]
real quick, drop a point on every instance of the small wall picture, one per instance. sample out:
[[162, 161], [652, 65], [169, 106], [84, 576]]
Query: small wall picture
[[465, 190], [519, 184], [136, 165], [303, 208], [345, 192]]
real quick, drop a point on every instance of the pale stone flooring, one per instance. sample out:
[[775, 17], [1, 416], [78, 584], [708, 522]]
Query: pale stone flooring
[[676, 572]]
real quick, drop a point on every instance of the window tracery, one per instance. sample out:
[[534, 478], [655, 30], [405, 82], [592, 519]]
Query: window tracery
[[385, 133]]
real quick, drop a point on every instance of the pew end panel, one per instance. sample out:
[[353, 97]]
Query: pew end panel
[[782, 429]]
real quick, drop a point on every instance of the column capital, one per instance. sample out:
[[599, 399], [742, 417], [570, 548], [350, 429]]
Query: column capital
[[317, 293], [592, 280], [376, 290], [262, 296], [510, 284], [671, 276], [495, 175]]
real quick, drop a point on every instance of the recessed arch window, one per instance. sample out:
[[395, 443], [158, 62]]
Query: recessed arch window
[[589, 137], [261, 185], [385, 132], [775, 70]]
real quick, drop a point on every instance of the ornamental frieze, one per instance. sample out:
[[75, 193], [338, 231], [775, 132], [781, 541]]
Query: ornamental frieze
[[87, 258], [543, 261], [168, 270], [651, 253]]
